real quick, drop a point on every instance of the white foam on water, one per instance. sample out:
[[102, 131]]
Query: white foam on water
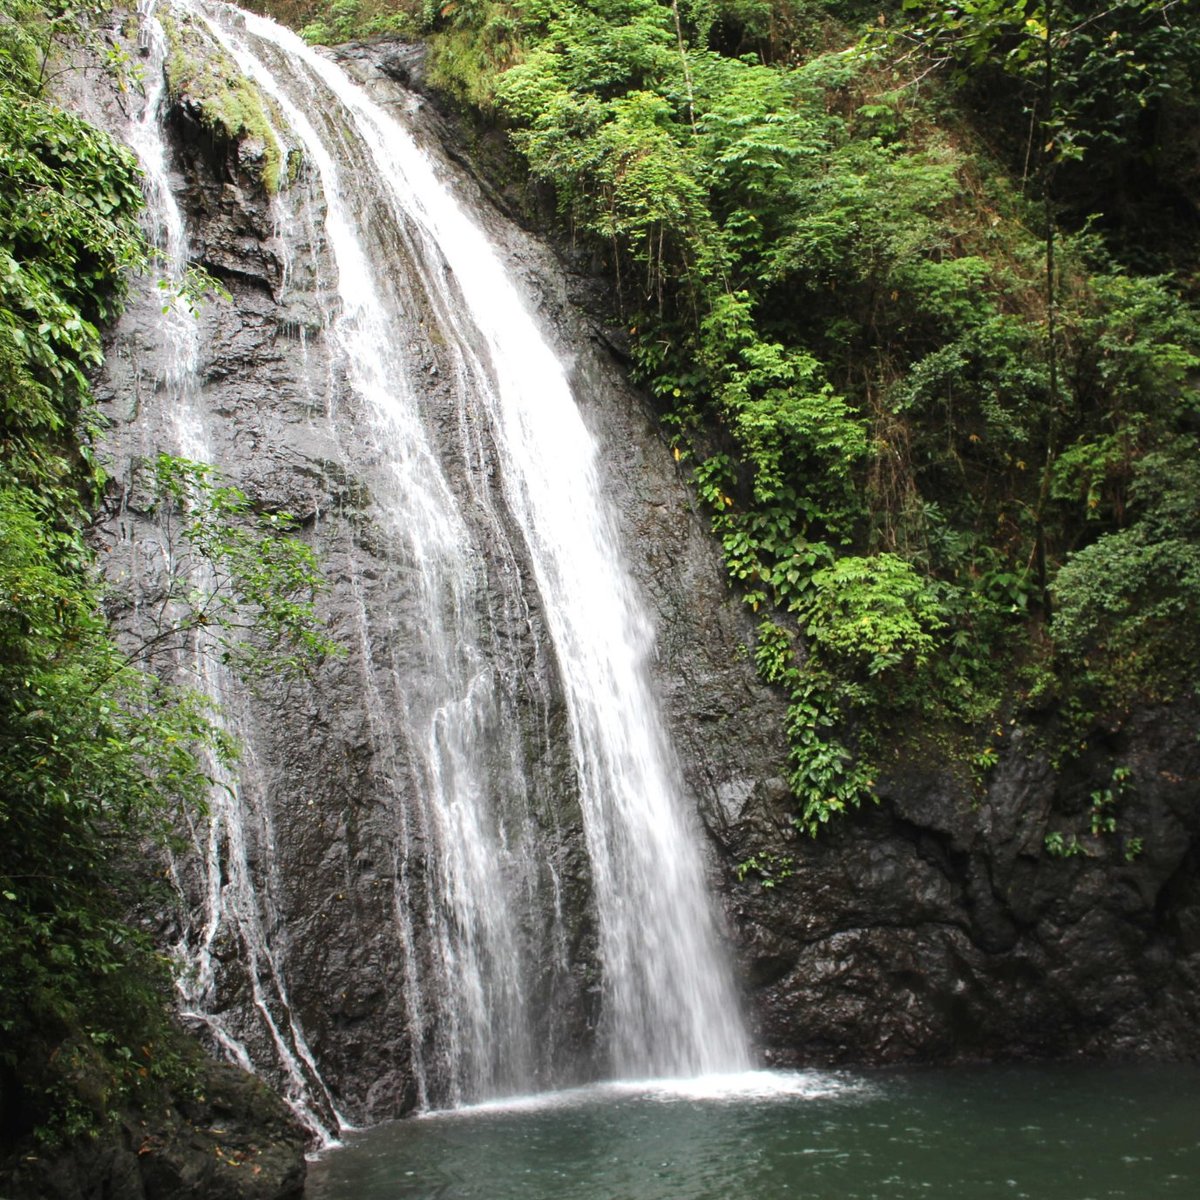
[[735, 1087]]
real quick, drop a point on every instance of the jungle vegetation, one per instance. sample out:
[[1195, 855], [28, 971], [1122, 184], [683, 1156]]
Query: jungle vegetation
[[913, 284]]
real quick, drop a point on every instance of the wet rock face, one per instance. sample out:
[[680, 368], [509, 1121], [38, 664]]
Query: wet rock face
[[939, 926], [325, 785], [934, 927], [233, 1139], [340, 917]]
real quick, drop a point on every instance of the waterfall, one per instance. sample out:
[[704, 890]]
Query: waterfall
[[517, 636]]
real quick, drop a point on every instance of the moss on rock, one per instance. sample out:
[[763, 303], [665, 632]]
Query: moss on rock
[[202, 74]]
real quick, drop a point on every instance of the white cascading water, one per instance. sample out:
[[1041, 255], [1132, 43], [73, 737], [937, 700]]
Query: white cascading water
[[471, 861], [225, 901]]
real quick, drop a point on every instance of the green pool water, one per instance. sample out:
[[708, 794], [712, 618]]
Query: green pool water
[[1045, 1133]]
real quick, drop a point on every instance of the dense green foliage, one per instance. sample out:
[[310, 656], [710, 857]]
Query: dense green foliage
[[911, 283], [70, 706], [67, 195], [97, 753], [94, 755]]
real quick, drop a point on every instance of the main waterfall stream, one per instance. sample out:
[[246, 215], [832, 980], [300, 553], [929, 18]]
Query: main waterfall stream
[[507, 710]]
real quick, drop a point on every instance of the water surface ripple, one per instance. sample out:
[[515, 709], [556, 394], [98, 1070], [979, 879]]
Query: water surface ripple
[[1038, 1133]]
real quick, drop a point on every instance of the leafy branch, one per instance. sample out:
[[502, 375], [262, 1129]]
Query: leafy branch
[[234, 574]]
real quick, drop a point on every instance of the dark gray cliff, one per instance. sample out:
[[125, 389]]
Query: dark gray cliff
[[312, 972], [938, 927], [934, 927]]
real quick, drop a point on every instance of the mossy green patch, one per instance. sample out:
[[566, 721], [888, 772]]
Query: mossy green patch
[[230, 105]]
